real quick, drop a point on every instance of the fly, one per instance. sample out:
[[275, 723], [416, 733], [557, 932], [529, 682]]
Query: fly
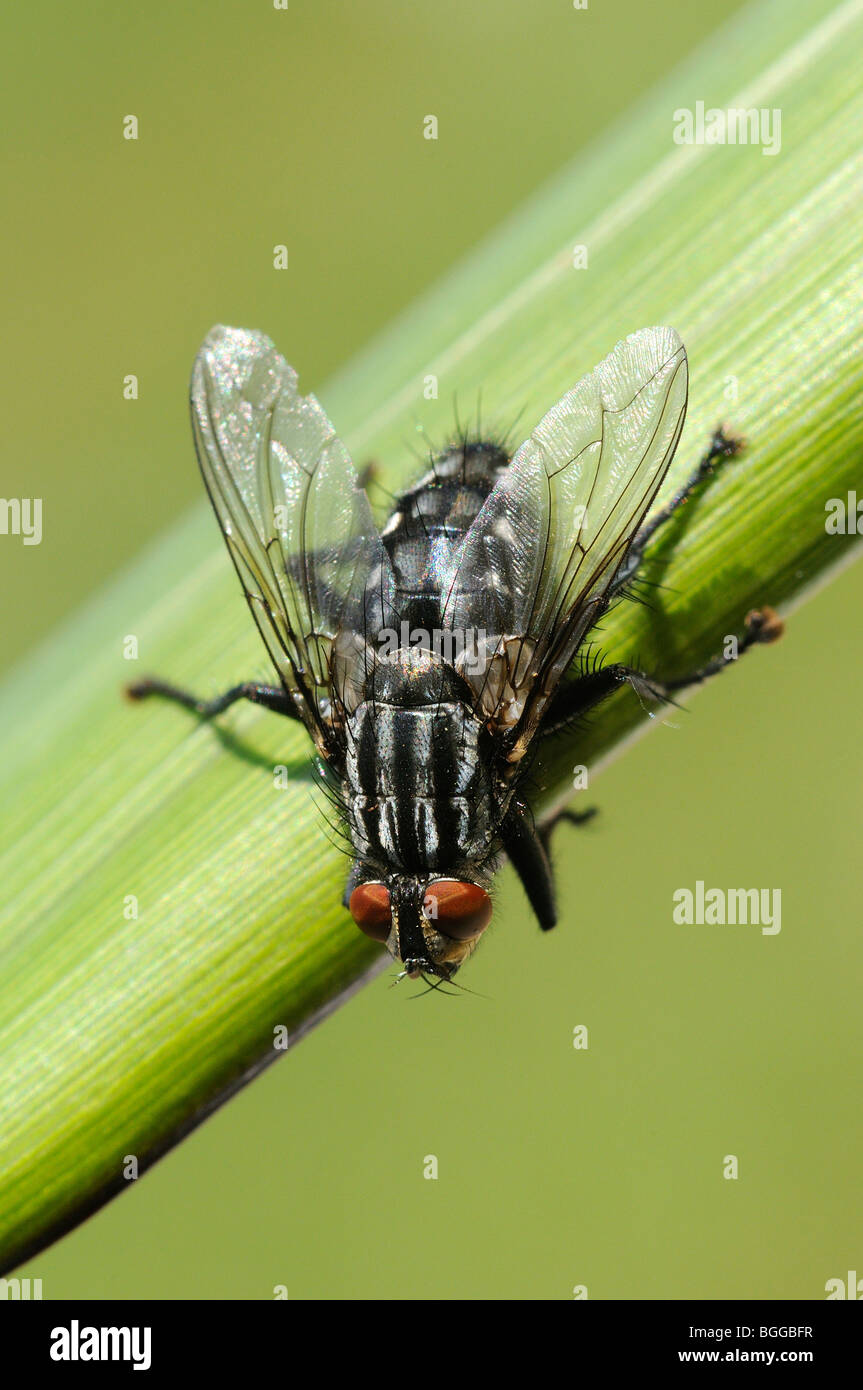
[[428, 661]]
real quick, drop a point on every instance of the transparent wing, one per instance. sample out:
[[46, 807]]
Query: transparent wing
[[299, 530], [535, 567]]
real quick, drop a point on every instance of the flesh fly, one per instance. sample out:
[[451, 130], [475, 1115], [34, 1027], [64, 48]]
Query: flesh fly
[[430, 659]]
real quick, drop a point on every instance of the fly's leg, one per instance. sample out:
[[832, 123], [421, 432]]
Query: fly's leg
[[575, 699], [527, 854], [272, 697], [762, 626], [528, 848], [570, 817], [722, 445]]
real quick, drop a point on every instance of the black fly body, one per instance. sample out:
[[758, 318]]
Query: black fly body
[[427, 661]]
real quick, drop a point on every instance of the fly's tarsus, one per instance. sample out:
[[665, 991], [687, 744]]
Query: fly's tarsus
[[763, 626], [724, 444], [566, 817]]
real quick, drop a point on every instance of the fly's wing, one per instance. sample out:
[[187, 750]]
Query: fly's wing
[[535, 567], [299, 530]]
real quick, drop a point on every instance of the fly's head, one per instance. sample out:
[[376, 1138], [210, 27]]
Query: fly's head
[[430, 924]]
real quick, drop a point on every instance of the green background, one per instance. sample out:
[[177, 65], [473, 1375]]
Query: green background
[[557, 1167]]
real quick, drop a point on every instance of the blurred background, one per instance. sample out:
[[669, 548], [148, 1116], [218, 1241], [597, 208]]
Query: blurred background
[[557, 1167]]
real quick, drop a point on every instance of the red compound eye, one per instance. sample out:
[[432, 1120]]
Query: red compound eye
[[370, 909], [458, 910]]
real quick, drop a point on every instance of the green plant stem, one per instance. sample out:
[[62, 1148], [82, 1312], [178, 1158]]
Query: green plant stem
[[166, 906]]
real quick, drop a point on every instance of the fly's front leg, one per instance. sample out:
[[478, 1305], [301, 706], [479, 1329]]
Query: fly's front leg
[[527, 854], [270, 696], [570, 817], [722, 445]]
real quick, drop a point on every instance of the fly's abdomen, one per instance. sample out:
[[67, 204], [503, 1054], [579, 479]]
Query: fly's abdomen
[[431, 521]]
